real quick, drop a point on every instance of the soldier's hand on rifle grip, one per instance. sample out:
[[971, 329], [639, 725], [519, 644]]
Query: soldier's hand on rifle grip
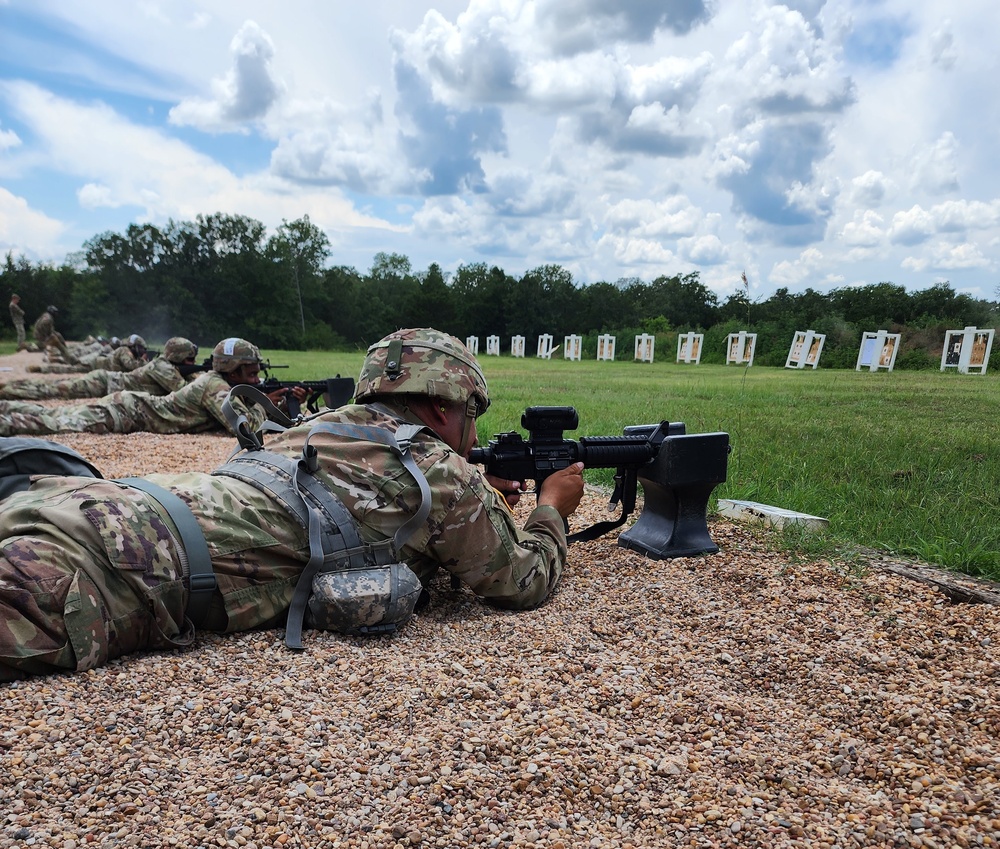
[[510, 490], [563, 489], [278, 396]]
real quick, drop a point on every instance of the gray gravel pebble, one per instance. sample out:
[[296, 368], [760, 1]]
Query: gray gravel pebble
[[739, 699]]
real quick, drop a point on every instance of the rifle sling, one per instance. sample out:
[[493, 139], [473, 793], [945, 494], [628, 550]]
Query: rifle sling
[[597, 529], [194, 551]]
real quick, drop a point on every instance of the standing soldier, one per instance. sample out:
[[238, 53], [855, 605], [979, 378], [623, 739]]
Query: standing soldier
[[17, 317], [195, 408], [163, 375]]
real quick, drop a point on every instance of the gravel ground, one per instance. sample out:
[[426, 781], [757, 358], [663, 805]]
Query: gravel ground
[[737, 699]]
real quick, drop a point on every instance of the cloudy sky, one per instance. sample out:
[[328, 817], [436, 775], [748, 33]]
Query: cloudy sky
[[813, 144]]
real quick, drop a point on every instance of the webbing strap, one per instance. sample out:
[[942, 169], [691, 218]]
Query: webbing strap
[[201, 578], [276, 419], [399, 444], [339, 547], [333, 533]]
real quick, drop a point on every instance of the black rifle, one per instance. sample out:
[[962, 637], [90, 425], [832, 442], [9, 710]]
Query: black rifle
[[187, 369], [678, 472], [333, 392]]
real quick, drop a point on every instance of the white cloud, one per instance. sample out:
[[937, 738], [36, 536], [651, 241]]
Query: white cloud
[[642, 253], [871, 188], [912, 226], [654, 219], [143, 170], [23, 229], [864, 231], [944, 52], [702, 250], [785, 67], [935, 166], [669, 80], [620, 139], [961, 215], [945, 257], [8, 140], [588, 80], [799, 271], [244, 95]]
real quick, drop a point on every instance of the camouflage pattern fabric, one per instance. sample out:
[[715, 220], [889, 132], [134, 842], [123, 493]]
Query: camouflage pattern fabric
[[46, 336], [116, 359], [88, 571], [17, 319], [470, 531], [60, 604], [88, 348], [194, 408], [159, 377], [43, 328], [429, 363]]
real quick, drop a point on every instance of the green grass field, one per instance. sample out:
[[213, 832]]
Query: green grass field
[[908, 462]]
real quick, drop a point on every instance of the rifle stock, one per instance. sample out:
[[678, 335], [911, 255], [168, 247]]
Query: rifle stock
[[678, 472]]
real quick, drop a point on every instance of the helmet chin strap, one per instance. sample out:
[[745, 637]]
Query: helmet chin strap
[[463, 449], [470, 417]]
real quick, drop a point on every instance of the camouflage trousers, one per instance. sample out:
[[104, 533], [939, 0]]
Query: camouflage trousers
[[58, 368], [95, 384], [23, 418], [57, 350], [88, 572]]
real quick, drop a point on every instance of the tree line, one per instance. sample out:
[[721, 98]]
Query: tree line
[[223, 275]]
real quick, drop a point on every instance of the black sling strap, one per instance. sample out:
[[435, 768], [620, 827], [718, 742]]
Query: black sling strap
[[201, 577]]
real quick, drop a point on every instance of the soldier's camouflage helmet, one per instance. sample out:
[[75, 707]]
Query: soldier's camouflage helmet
[[177, 349], [116, 342], [232, 353], [424, 361], [136, 343], [51, 308]]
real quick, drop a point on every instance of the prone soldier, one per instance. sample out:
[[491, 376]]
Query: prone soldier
[[160, 376], [91, 570], [194, 408]]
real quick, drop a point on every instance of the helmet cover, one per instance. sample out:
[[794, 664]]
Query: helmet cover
[[232, 353], [423, 361], [177, 349]]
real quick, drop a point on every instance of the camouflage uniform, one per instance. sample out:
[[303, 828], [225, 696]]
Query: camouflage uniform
[[17, 317], [121, 358], [89, 570], [45, 333], [64, 606], [194, 408], [159, 377]]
